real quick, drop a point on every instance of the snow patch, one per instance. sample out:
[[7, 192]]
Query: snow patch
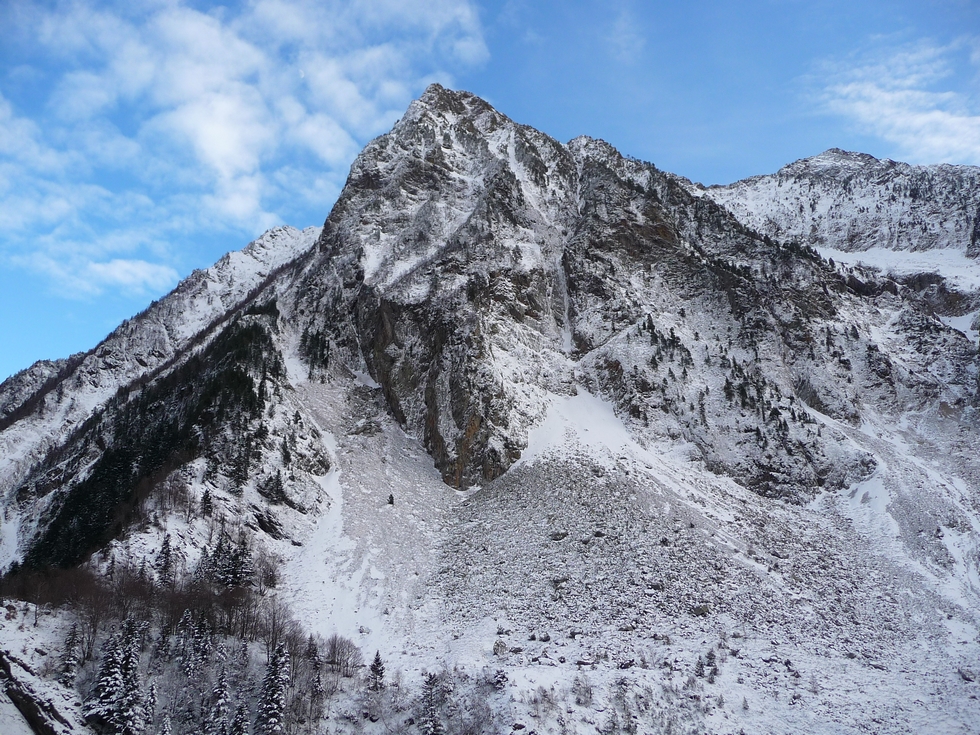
[[583, 419], [952, 264]]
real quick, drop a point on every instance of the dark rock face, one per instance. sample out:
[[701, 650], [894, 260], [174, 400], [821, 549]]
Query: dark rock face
[[435, 246]]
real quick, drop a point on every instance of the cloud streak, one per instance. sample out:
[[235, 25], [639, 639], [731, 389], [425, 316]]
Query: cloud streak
[[902, 95], [626, 42]]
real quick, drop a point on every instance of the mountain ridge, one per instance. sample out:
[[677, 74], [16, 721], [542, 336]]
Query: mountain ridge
[[818, 200]]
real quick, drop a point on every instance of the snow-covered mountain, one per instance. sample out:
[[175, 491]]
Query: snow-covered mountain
[[853, 201], [918, 224], [47, 401], [540, 409]]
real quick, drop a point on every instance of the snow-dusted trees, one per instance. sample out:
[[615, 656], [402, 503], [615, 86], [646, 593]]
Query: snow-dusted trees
[[229, 563], [193, 644], [117, 704], [344, 655], [218, 720], [207, 503], [309, 705], [70, 657], [376, 674], [271, 717], [430, 703], [206, 640], [277, 626], [239, 725], [132, 701], [100, 707], [165, 562]]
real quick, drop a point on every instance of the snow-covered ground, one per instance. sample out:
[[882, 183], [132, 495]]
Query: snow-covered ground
[[467, 583], [953, 265], [31, 645]]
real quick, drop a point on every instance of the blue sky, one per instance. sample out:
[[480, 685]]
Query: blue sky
[[140, 140]]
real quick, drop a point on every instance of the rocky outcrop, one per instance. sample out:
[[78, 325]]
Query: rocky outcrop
[[473, 269], [40, 713]]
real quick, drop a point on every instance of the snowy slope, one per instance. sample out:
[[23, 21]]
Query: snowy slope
[[51, 410]]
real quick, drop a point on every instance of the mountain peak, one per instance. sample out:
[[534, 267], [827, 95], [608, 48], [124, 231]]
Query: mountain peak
[[855, 202], [443, 102], [835, 160]]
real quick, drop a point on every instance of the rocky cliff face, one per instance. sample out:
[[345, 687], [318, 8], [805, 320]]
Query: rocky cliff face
[[473, 265], [439, 273]]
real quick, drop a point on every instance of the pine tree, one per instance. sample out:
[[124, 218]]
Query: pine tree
[[117, 703], [165, 562], [229, 563], [711, 662], [165, 726], [69, 658], [207, 503], [376, 676], [242, 570], [271, 718], [242, 657], [239, 725], [317, 690], [220, 709], [151, 701], [312, 650], [202, 644], [205, 567], [100, 708], [221, 559], [241, 465], [131, 717], [429, 722]]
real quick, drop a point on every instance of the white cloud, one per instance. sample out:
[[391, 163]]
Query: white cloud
[[162, 122], [82, 95], [76, 277], [625, 41], [20, 141], [131, 276], [906, 97]]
